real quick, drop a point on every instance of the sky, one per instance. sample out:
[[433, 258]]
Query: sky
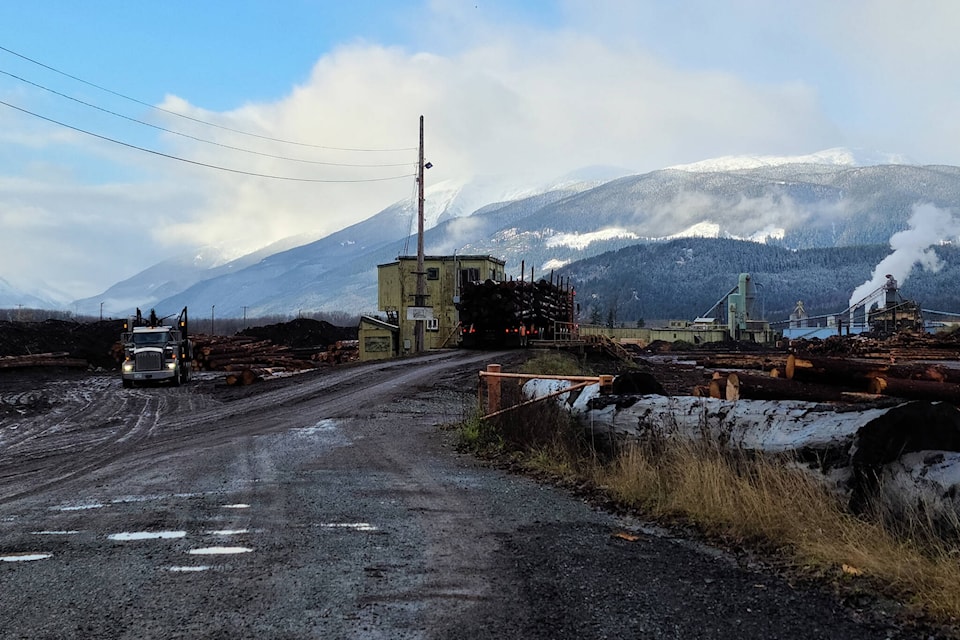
[[131, 132]]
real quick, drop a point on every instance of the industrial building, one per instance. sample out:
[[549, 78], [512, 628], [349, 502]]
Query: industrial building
[[396, 297]]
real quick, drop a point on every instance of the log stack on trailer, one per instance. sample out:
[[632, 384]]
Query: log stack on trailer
[[496, 314]]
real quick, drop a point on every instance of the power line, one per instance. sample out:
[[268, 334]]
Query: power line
[[197, 120], [185, 135], [195, 162]]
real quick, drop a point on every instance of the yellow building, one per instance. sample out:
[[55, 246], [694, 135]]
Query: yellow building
[[443, 275], [378, 339]]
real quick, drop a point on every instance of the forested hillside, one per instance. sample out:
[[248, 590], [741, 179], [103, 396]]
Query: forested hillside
[[683, 279]]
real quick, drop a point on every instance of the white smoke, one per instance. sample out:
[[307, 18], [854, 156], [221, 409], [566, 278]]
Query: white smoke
[[929, 226]]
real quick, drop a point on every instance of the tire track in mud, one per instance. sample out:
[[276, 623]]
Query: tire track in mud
[[80, 434], [96, 423]]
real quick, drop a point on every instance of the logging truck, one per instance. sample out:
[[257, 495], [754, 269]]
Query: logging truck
[[512, 313], [155, 352]]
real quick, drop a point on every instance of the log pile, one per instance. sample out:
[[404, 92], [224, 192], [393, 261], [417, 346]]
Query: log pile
[[820, 378], [236, 353], [926, 346], [339, 352], [901, 454], [54, 359]]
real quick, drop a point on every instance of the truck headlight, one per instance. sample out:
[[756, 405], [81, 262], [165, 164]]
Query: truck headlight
[[171, 365], [128, 366]]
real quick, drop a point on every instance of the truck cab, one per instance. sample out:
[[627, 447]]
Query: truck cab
[[154, 352]]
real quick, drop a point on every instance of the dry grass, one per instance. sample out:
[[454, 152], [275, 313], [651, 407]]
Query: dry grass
[[774, 505]]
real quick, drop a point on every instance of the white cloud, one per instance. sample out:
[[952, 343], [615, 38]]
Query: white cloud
[[638, 85], [534, 108]]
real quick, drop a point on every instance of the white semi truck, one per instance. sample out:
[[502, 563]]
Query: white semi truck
[[154, 352]]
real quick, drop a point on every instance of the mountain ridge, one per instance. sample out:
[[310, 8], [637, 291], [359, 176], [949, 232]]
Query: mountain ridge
[[793, 203]]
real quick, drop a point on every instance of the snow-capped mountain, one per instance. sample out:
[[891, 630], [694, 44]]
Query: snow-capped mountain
[[838, 156], [822, 200]]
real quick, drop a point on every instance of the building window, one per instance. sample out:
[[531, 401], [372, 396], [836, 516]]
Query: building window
[[469, 275], [433, 324], [433, 273]]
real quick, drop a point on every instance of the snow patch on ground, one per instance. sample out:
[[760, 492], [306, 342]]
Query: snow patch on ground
[[583, 240]]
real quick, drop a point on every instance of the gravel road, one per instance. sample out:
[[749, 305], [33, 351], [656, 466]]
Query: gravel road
[[331, 505]]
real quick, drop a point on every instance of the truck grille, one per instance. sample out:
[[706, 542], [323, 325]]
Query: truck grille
[[149, 361]]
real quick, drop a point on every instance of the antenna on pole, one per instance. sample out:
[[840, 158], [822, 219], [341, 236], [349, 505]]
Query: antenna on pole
[[421, 282]]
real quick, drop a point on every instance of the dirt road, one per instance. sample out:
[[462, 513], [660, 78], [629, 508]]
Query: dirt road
[[330, 505]]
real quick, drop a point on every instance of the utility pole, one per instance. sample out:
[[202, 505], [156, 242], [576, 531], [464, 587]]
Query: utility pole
[[212, 307], [419, 299]]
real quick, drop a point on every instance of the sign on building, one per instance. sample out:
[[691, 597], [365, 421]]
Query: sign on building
[[419, 313]]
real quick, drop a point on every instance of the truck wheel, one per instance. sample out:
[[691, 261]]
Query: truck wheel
[[176, 378], [127, 383]]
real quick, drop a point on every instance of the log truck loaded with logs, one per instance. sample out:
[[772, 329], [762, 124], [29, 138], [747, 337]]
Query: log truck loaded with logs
[[154, 352], [511, 313]]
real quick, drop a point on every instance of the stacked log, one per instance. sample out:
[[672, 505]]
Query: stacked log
[[937, 346], [756, 387], [55, 359], [818, 378], [876, 454], [760, 362], [339, 352], [238, 353]]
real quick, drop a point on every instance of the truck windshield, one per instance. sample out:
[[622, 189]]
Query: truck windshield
[[152, 338]]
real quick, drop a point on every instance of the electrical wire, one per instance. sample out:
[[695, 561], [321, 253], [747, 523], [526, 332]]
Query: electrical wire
[[192, 119], [186, 135], [195, 162]]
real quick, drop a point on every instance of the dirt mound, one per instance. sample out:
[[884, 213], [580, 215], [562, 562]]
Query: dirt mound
[[302, 333], [91, 341]]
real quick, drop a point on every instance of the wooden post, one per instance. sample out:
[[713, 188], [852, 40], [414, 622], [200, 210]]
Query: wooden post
[[493, 388], [606, 383], [420, 298]]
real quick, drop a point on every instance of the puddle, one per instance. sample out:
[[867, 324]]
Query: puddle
[[324, 426], [189, 569], [229, 532], [236, 506], [24, 557], [354, 526], [146, 535], [81, 507], [213, 551], [54, 533]]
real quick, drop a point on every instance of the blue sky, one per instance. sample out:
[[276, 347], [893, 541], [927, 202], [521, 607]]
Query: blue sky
[[530, 90]]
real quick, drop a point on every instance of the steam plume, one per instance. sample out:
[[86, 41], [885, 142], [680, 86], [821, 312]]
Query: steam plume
[[929, 226]]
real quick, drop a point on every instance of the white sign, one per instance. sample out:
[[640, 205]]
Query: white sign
[[419, 313]]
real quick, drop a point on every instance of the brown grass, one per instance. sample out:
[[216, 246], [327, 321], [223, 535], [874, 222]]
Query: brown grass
[[772, 505]]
